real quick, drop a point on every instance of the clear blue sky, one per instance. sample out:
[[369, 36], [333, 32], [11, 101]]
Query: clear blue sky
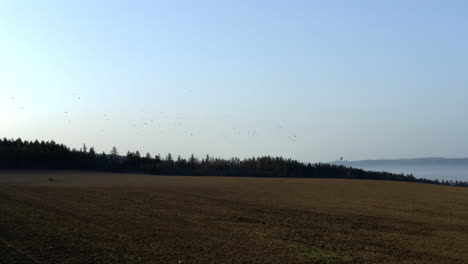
[[312, 80]]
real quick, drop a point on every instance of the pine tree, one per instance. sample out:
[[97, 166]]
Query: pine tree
[[192, 160], [114, 152], [92, 152]]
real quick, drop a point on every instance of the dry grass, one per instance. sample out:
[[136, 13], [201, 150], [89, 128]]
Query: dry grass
[[118, 218]]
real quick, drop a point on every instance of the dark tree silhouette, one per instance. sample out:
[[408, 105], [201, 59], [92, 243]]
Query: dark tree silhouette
[[19, 154], [114, 152]]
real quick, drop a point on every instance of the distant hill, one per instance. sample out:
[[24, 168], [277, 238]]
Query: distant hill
[[405, 162]]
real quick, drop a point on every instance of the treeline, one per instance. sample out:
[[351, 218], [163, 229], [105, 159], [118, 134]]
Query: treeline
[[19, 154]]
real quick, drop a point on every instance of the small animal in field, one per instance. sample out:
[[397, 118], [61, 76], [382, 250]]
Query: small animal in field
[[51, 179]]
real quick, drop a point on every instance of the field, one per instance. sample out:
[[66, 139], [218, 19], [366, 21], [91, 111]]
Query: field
[[118, 218]]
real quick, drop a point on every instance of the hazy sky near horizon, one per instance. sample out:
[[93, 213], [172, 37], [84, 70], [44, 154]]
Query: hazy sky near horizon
[[312, 80]]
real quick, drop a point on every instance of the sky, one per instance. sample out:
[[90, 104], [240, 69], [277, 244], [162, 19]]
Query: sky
[[309, 80]]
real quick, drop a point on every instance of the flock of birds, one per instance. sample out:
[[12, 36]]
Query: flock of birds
[[177, 122]]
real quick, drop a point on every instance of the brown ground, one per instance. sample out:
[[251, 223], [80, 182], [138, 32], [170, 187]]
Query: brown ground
[[118, 218]]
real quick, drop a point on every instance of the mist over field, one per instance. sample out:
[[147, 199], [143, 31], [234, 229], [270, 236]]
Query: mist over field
[[430, 168], [433, 172]]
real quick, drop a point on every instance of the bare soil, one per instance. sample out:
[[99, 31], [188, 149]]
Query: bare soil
[[82, 217]]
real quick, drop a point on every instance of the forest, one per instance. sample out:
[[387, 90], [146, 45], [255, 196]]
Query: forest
[[18, 154]]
